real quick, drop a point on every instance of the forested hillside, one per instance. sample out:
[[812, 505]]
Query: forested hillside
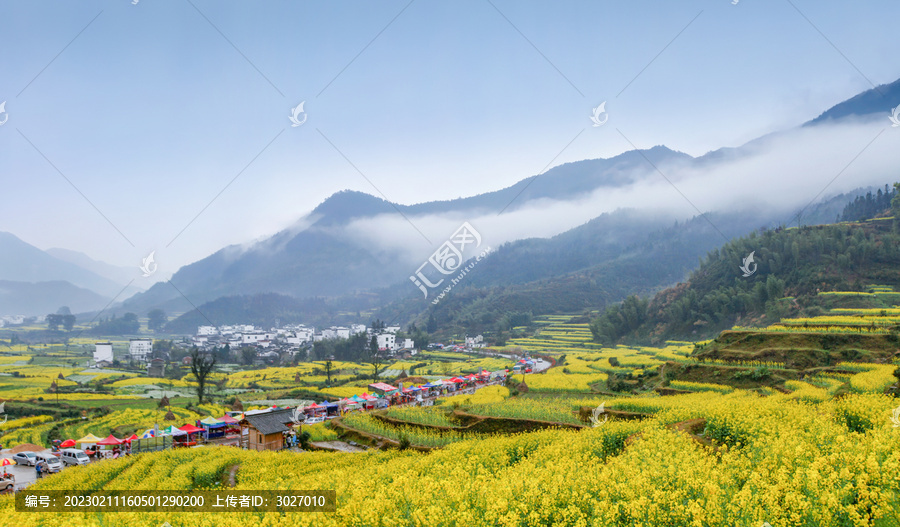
[[792, 266]]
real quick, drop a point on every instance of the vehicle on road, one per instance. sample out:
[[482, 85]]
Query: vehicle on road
[[7, 483], [25, 458], [74, 456], [51, 462], [314, 420]]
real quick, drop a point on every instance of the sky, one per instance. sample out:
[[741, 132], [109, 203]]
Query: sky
[[138, 125]]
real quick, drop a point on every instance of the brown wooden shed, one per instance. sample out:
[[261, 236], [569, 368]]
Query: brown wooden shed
[[265, 431]]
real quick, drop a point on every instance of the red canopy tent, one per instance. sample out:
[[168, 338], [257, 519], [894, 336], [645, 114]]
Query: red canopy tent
[[110, 441], [130, 439], [457, 379], [68, 443], [227, 419], [189, 428]]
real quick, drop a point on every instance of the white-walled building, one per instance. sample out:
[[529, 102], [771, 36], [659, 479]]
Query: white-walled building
[[341, 332], [387, 340], [207, 331], [408, 344], [357, 328], [256, 336], [103, 351], [140, 349], [392, 329], [474, 342]]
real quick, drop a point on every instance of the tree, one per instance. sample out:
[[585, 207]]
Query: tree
[[64, 310], [53, 321], [248, 355], [201, 366], [328, 367], [156, 319], [375, 358], [895, 202], [431, 325], [68, 322]]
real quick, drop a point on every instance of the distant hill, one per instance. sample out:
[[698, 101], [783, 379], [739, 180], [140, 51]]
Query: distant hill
[[877, 101], [46, 297], [114, 273], [791, 266], [23, 262]]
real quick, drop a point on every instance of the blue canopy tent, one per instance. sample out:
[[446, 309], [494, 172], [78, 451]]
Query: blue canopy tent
[[331, 408]]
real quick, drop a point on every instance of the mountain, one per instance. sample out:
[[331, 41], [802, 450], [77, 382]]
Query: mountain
[[24, 298], [23, 262], [318, 258], [114, 273], [789, 268], [877, 101]]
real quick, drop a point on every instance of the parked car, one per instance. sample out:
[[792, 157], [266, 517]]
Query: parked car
[[314, 420], [25, 458], [7, 483], [51, 462], [73, 456]]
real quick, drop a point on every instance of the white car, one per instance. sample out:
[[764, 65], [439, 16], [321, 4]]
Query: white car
[[25, 458], [314, 420]]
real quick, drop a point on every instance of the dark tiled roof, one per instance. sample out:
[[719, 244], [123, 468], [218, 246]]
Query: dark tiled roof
[[270, 422]]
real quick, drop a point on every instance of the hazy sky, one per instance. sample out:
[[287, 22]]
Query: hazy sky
[[128, 118]]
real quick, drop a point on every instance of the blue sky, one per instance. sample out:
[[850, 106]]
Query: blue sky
[[149, 111]]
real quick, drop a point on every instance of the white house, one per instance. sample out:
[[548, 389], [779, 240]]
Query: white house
[[341, 332], [408, 344], [103, 351], [392, 329], [357, 328], [387, 340], [140, 349], [256, 336], [329, 333], [206, 331], [473, 342]]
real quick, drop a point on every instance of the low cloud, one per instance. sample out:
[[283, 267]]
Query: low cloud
[[779, 174]]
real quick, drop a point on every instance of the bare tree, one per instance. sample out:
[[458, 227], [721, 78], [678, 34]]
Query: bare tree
[[375, 358], [201, 366]]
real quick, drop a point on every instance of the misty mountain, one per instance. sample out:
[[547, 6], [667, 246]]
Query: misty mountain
[[876, 101], [114, 273], [23, 263], [319, 258], [24, 298]]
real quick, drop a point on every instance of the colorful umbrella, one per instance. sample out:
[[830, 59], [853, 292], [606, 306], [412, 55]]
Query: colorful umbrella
[[5, 463], [68, 443]]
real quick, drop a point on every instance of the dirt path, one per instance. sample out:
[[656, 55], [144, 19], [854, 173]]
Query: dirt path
[[339, 446], [231, 475]]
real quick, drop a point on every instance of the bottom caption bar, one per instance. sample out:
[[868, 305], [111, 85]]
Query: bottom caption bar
[[177, 501]]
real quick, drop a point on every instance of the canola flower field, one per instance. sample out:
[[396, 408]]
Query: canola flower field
[[803, 458], [778, 460]]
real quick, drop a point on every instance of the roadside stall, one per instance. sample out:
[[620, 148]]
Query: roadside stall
[[212, 427], [231, 425], [112, 444], [193, 433], [88, 444], [332, 410]]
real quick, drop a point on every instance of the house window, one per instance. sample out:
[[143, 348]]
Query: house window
[[259, 440]]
